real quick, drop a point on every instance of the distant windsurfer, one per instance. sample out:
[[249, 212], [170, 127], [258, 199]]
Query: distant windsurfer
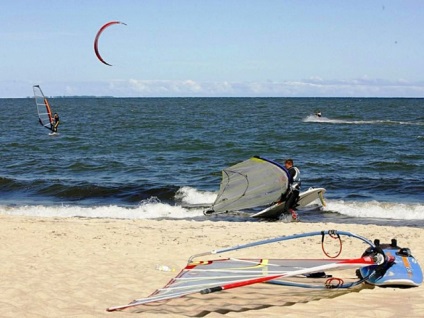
[[55, 122], [318, 114], [293, 192]]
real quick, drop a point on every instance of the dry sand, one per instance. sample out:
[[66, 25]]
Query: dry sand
[[77, 267]]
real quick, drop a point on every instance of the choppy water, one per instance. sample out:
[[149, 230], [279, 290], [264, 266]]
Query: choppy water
[[148, 157]]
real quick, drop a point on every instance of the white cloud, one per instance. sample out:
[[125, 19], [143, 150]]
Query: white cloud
[[312, 87]]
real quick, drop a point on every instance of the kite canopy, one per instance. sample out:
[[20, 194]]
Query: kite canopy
[[96, 40], [250, 184]]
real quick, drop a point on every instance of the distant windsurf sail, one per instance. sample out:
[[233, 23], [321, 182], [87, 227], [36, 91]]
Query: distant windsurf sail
[[43, 108], [249, 184]]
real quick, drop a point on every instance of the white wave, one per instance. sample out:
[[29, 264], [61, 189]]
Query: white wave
[[315, 119], [151, 208], [154, 209], [146, 210], [193, 196], [379, 210]]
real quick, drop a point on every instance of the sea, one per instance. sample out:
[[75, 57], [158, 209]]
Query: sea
[[161, 158]]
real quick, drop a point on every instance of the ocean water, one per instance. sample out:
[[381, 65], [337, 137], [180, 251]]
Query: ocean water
[[150, 157]]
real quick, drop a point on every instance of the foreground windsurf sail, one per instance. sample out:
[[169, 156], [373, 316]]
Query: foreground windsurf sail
[[43, 108], [222, 274], [249, 184]]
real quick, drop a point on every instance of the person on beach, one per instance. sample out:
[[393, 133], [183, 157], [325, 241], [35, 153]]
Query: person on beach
[[294, 189], [56, 122]]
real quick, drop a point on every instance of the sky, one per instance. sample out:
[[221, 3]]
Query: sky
[[213, 48]]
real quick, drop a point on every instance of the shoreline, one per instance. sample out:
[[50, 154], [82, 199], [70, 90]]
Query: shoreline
[[79, 267]]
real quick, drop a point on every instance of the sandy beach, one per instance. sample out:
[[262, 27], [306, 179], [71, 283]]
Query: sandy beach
[[78, 267]]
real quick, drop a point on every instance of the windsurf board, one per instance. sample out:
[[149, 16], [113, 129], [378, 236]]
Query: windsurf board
[[305, 198], [404, 271], [310, 196], [272, 211]]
